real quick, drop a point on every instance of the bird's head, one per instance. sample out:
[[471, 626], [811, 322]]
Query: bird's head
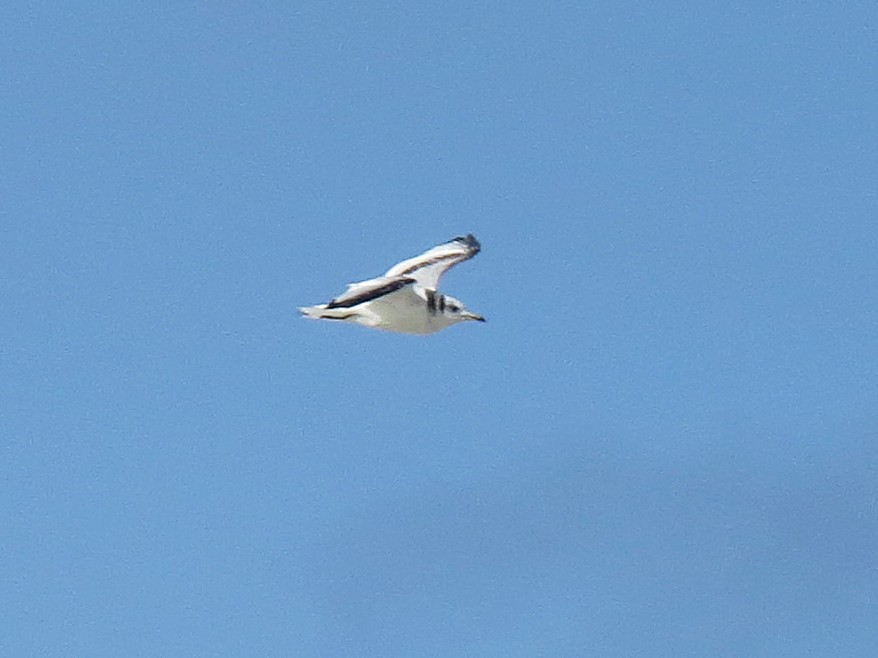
[[454, 309]]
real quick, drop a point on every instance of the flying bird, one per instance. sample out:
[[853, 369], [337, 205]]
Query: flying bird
[[405, 299]]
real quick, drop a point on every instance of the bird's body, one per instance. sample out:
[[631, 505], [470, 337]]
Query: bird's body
[[405, 299]]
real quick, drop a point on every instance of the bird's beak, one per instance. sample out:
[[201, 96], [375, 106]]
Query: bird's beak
[[472, 316]]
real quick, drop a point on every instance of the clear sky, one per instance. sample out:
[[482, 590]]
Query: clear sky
[[662, 442]]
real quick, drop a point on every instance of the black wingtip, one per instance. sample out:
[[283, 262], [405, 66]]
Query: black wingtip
[[470, 241]]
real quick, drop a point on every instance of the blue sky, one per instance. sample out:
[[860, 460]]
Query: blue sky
[[661, 443]]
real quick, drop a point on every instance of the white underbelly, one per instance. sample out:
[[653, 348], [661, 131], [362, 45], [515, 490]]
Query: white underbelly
[[407, 314]]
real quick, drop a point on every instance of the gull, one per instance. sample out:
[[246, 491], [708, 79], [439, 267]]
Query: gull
[[405, 299]]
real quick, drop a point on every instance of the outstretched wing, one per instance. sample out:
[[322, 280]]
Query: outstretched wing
[[427, 268], [367, 291]]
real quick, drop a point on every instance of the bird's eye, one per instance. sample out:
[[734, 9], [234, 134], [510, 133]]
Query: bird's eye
[[454, 308]]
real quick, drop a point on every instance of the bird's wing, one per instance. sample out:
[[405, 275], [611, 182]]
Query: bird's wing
[[427, 268], [367, 291]]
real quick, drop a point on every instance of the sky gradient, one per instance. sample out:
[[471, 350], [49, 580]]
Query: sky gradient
[[661, 443]]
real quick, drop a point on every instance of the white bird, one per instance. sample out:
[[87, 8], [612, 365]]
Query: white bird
[[405, 299]]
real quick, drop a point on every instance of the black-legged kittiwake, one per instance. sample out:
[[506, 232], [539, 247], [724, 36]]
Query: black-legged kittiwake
[[405, 299]]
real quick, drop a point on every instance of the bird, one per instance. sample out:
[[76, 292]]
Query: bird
[[405, 300]]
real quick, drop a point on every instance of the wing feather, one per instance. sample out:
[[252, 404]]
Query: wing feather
[[366, 291], [429, 267]]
